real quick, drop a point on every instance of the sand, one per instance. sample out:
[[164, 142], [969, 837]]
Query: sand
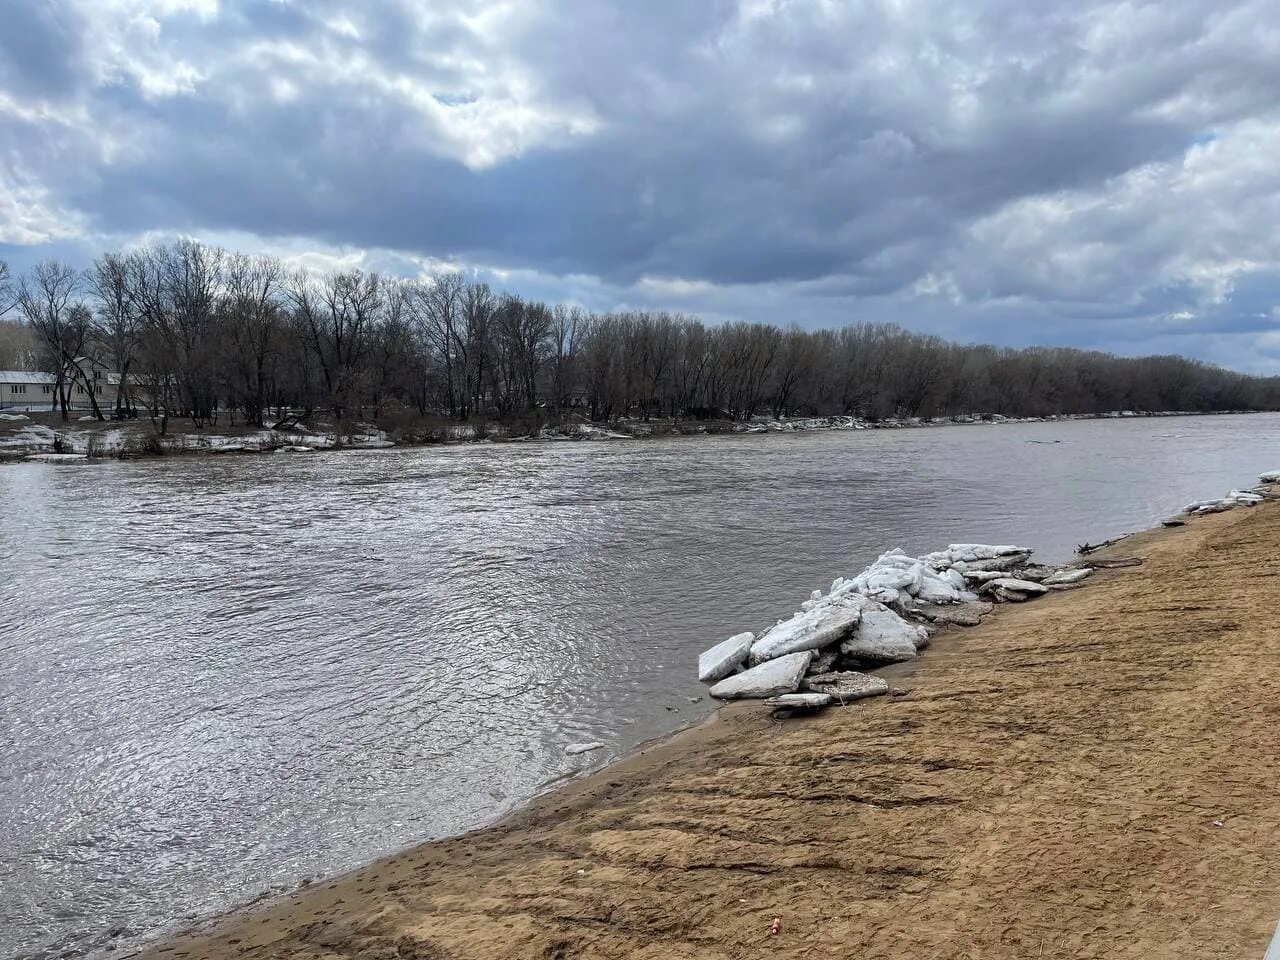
[[1093, 774]]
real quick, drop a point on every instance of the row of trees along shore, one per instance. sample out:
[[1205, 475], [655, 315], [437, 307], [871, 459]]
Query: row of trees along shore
[[196, 331]]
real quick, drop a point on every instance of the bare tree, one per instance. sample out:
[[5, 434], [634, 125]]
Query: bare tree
[[566, 327], [48, 300], [157, 360], [191, 273], [119, 320], [745, 356], [472, 344], [338, 313], [252, 316], [689, 369], [656, 339], [521, 335], [391, 346], [794, 368], [436, 308]]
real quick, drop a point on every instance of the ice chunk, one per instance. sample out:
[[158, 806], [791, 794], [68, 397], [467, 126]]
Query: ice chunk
[[1013, 583], [982, 576], [885, 596], [767, 680], [934, 589], [724, 658], [1008, 562], [884, 637], [986, 551], [1014, 590], [809, 630], [897, 557], [970, 553], [891, 578], [1248, 499], [1216, 506]]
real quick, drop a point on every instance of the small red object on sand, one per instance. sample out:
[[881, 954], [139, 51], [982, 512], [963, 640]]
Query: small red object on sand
[[777, 927]]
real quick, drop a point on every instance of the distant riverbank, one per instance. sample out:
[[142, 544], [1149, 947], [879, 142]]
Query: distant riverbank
[[44, 436], [1038, 785]]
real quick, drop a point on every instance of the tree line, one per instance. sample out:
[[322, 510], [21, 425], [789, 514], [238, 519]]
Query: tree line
[[200, 332]]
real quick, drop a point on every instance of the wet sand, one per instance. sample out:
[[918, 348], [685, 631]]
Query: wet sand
[[1090, 775]]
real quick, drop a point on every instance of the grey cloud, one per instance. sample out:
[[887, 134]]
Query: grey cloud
[[40, 48]]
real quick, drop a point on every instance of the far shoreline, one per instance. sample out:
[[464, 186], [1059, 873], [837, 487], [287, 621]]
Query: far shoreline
[[44, 437]]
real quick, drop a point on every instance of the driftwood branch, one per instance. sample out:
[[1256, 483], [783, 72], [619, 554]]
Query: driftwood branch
[[1087, 548]]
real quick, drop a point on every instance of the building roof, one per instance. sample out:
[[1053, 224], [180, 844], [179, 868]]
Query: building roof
[[26, 376]]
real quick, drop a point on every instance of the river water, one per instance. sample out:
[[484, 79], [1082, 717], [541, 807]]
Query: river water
[[219, 676]]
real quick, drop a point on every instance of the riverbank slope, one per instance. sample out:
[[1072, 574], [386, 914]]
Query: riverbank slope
[[1091, 775]]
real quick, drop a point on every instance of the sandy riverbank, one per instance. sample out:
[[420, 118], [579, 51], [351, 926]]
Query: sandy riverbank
[[1091, 775]]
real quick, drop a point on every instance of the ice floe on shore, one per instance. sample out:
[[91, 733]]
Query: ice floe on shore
[[40, 442], [886, 614], [55, 457], [766, 424], [1237, 498], [574, 749]]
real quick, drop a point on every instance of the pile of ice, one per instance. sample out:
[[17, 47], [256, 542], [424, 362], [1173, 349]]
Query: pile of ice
[[884, 615], [1236, 498]]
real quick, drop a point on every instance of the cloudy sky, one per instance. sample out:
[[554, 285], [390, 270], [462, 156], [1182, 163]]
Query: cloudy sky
[[1097, 173]]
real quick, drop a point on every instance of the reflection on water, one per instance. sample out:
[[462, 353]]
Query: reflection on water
[[218, 676]]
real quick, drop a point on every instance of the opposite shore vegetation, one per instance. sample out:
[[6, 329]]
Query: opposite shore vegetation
[[190, 336]]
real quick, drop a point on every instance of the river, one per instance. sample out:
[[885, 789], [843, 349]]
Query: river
[[222, 675]]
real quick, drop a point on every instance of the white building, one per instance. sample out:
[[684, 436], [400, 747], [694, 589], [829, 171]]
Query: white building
[[26, 390], [33, 391]]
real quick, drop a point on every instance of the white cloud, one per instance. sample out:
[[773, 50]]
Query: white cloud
[[128, 43], [673, 286], [29, 214], [1203, 221]]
